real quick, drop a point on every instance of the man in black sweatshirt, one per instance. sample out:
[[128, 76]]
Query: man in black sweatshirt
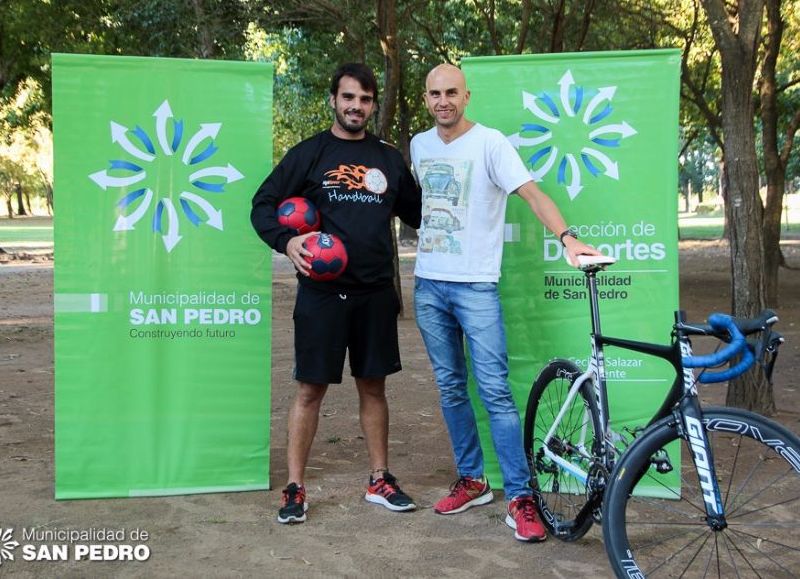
[[357, 182]]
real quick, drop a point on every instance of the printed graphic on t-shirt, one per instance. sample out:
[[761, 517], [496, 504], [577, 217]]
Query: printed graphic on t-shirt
[[355, 183], [445, 198], [358, 177]]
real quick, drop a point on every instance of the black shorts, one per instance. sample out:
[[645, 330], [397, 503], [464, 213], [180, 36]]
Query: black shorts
[[327, 325]]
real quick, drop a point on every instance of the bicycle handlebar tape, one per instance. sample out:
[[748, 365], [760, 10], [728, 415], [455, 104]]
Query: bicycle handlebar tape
[[737, 345]]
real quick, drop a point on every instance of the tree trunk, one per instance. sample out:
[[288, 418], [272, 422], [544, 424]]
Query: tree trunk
[[489, 11], [723, 197], [737, 46], [205, 36], [20, 202], [772, 238], [398, 286], [688, 196], [408, 235], [557, 33], [387, 31], [49, 199], [524, 26], [589, 6], [774, 166], [746, 213]]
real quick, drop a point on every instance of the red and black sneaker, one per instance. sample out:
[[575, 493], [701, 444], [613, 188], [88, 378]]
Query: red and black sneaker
[[293, 504], [385, 491], [523, 518], [466, 492]]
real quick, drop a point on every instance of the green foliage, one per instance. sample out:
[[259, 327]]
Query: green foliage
[[306, 39], [192, 28], [26, 146], [788, 77], [301, 84], [699, 165], [30, 30]]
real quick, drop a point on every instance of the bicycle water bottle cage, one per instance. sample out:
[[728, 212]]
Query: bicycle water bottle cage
[[728, 331]]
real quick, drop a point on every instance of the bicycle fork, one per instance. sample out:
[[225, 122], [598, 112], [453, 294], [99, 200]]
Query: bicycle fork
[[689, 416]]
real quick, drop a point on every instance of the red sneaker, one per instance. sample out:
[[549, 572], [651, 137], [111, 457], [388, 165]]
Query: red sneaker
[[466, 492], [523, 518]]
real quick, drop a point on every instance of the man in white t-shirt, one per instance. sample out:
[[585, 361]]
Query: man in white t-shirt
[[466, 172]]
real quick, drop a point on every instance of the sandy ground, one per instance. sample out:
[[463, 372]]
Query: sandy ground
[[236, 534]]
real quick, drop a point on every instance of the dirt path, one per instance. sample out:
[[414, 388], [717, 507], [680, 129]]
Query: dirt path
[[235, 534]]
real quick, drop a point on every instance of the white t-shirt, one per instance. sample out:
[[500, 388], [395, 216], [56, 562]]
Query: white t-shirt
[[465, 188]]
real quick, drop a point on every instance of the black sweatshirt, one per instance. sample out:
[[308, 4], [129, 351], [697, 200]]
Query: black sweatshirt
[[357, 187]]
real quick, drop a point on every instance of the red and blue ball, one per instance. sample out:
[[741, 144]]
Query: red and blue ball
[[299, 214], [329, 256]]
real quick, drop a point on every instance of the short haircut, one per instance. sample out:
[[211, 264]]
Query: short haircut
[[361, 72]]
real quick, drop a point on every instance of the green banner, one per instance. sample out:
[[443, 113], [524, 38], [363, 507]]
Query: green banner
[[162, 291], [599, 133]]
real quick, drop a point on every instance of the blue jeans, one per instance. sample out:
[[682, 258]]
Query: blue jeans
[[446, 312]]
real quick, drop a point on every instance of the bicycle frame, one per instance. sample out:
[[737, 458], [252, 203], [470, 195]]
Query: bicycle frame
[[681, 401]]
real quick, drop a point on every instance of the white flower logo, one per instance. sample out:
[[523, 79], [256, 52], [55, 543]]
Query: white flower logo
[[7, 545], [126, 173], [585, 134]]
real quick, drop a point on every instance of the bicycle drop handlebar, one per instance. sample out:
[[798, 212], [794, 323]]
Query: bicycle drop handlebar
[[737, 345], [723, 326]]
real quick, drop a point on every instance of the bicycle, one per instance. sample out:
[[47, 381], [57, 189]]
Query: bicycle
[[729, 507]]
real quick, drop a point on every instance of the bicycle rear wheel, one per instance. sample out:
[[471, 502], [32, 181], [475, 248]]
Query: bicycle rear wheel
[[562, 494], [757, 462]]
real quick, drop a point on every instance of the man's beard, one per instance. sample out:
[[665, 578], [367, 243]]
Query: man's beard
[[351, 127]]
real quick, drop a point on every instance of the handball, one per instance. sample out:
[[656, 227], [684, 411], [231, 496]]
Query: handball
[[329, 257], [299, 213]]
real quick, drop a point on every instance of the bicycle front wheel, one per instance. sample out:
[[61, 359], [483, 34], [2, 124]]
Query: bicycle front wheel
[[655, 523], [559, 468]]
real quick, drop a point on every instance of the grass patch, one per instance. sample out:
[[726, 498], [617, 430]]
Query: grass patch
[[704, 227], [13, 234], [691, 231], [26, 229]]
